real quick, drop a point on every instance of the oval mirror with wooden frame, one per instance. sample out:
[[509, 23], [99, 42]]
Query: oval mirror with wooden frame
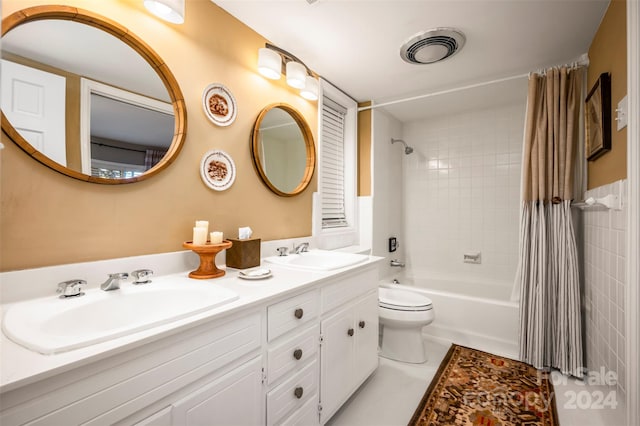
[[283, 150], [105, 124]]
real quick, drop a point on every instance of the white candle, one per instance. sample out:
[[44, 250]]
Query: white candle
[[216, 237], [203, 224], [199, 236]]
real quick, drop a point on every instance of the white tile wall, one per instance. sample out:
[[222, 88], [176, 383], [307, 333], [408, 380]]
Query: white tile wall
[[462, 193], [604, 284]]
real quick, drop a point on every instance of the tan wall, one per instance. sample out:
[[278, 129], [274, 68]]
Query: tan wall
[[608, 53], [48, 218], [364, 151]]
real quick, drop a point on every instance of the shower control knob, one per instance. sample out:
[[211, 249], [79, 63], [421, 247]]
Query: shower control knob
[[361, 324], [350, 332], [298, 392], [297, 354], [298, 313]]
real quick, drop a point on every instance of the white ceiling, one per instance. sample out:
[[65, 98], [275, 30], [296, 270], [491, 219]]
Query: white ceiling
[[355, 44]]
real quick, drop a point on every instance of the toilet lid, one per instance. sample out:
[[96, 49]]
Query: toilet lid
[[403, 300]]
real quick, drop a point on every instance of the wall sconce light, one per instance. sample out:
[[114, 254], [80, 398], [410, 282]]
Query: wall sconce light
[[310, 90], [269, 63], [296, 73], [169, 10], [299, 76]]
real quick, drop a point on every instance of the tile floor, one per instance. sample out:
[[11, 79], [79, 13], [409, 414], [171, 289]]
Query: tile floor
[[390, 396]]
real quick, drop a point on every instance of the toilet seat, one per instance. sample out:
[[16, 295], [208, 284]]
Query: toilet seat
[[403, 300]]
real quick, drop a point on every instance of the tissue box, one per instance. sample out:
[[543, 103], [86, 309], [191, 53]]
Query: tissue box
[[243, 253]]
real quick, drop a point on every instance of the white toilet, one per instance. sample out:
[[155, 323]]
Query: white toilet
[[403, 311]]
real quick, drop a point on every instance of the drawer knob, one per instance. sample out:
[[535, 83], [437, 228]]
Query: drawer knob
[[298, 313], [297, 354], [298, 392], [361, 324], [350, 332]]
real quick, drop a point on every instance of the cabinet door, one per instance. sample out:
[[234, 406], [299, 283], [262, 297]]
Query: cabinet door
[[233, 399], [366, 326], [336, 354]]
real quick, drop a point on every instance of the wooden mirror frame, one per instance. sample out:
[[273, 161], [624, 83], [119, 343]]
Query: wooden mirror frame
[[309, 145], [123, 34]]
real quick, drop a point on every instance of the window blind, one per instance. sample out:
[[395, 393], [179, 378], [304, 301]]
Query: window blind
[[332, 158]]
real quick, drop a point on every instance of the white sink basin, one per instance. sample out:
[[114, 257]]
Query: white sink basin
[[318, 260], [51, 325]]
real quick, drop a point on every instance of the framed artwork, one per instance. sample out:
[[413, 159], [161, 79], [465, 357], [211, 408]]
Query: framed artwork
[[597, 118]]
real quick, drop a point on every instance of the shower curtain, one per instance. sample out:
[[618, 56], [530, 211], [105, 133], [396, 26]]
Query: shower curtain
[[548, 276]]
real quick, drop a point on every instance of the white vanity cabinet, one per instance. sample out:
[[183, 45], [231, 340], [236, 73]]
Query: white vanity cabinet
[[292, 373], [349, 340], [315, 365], [292, 358]]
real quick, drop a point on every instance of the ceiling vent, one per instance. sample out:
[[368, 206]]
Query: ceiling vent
[[432, 46]]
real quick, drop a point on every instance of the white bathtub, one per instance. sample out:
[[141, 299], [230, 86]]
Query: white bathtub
[[470, 314]]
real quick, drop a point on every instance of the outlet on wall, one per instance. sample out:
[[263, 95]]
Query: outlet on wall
[[393, 244]]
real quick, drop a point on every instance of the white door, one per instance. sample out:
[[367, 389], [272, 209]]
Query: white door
[[233, 399], [336, 359], [366, 325], [34, 103]]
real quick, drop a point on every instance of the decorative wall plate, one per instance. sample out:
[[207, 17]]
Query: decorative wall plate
[[217, 170], [219, 104]]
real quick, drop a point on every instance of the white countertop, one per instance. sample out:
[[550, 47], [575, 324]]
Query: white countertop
[[21, 366]]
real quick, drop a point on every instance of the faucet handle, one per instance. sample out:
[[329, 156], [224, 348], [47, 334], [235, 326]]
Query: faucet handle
[[71, 288], [119, 276], [142, 276], [283, 251]]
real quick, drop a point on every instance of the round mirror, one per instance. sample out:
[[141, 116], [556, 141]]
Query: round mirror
[[87, 98], [283, 151]]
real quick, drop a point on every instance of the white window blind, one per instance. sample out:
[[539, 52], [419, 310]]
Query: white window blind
[[332, 157]]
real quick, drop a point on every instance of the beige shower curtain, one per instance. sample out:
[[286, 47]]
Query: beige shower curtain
[[548, 278]]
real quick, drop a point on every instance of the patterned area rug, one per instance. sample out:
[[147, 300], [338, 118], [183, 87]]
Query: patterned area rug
[[472, 387]]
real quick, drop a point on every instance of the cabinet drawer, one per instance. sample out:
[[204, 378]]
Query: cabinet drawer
[[307, 415], [348, 288], [292, 353], [291, 313], [292, 393]]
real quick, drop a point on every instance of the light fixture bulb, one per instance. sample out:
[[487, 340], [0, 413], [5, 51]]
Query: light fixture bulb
[[269, 63], [310, 91], [296, 74], [169, 10]]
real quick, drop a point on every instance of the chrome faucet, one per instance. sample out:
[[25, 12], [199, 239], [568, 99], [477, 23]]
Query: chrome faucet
[[142, 276], [113, 282], [397, 263], [283, 251], [301, 248], [71, 288]]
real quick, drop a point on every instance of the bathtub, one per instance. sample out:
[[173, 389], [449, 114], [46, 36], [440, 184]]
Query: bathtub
[[469, 314]]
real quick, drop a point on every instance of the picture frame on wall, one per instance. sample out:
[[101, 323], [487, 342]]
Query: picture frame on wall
[[598, 118]]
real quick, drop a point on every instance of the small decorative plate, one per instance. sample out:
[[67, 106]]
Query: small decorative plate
[[219, 104], [255, 274], [218, 170]]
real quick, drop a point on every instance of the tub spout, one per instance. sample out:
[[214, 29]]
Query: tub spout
[[397, 263]]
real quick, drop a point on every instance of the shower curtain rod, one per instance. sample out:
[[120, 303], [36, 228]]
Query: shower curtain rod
[[443, 92], [582, 60]]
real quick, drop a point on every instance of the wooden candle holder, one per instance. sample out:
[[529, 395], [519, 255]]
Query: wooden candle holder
[[207, 253]]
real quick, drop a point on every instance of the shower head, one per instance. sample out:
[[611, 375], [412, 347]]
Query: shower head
[[407, 149]]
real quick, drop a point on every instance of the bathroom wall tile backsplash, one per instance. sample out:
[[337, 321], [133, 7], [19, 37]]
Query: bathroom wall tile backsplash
[[604, 284], [462, 194]]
